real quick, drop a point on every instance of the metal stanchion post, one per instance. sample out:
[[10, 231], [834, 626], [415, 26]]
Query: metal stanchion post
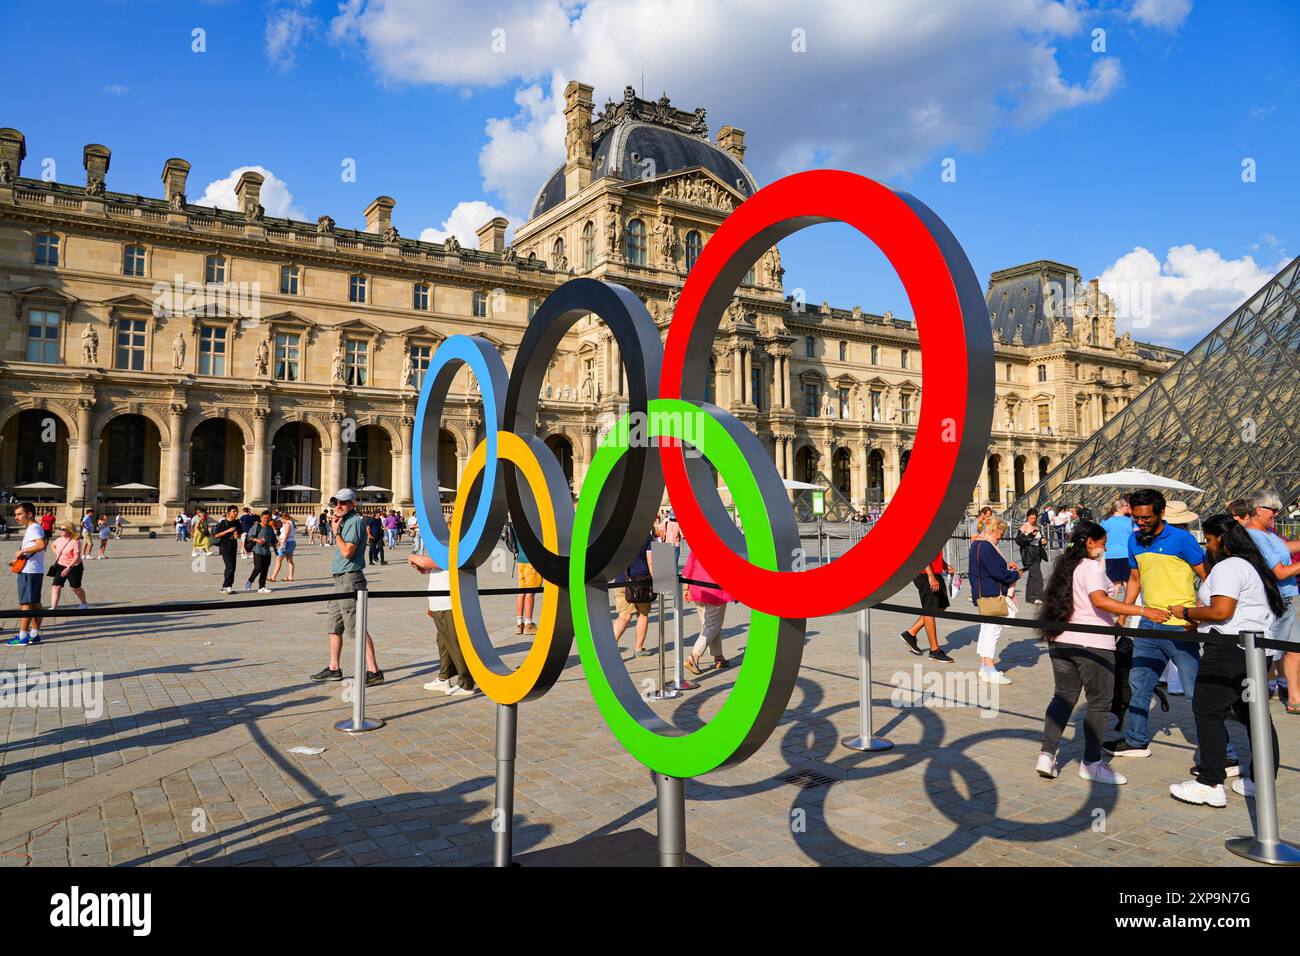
[[664, 691], [865, 740], [679, 608], [359, 721], [671, 815], [1264, 846], [503, 819]]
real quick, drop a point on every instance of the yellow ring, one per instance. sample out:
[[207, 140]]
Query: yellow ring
[[497, 682]]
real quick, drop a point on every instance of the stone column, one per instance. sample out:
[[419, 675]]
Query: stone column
[[789, 457], [589, 433], [338, 457], [785, 381], [257, 464], [403, 483], [84, 459], [174, 465]]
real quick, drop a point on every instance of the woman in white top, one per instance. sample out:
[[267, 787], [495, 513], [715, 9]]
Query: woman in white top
[[1078, 592], [284, 547], [1239, 594]]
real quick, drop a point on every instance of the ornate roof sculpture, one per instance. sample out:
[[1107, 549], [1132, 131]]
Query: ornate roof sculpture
[[1219, 418]]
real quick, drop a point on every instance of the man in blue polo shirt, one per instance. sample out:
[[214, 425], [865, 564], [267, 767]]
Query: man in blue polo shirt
[[1277, 551], [348, 568], [1165, 563]]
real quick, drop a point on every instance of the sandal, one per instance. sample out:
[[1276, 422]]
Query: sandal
[[1293, 709], [720, 664], [693, 665]]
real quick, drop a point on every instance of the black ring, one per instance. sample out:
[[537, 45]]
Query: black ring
[[641, 352]]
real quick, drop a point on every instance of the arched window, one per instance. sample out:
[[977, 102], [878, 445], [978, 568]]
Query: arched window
[[693, 246], [636, 246], [557, 254], [588, 246], [711, 382], [1096, 332]]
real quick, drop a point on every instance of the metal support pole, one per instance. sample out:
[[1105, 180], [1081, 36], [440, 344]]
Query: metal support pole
[[671, 815], [865, 740], [679, 608], [1264, 846], [503, 818], [359, 722], [665, 691]]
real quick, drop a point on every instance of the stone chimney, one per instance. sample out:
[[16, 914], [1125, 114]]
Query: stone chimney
[[96, 159], [175, 172], [732, 140], [13, 148], [577, 137], [379, 215], [492, 235], [248, 193]]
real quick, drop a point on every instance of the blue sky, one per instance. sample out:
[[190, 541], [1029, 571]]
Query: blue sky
[[1106, 159]]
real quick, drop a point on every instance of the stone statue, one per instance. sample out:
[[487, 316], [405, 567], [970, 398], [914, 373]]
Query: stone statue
[[827, 410], [6, 173], [862, 409], [408, 368], [178, 350], [94, 186], [672, 300], [391, 234], [1125, 344], [666, 238], [263, 360], [585, 393], [736, 312], [177, 202], [89, 346], [253, 211], [451, 245], [336, 367], [509, 255], [775, 270], [857, 313], [561, 263], [324, 226]]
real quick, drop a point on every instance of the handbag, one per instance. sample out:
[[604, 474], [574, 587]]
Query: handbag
[[18, 563], [989, 606], [639, 592]]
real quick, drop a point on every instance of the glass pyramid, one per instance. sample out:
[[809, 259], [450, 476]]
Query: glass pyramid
[[1221, 418]]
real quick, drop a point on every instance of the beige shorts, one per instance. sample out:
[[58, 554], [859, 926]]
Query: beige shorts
[[627, 609]]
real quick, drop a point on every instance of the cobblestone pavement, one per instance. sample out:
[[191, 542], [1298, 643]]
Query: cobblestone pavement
[[190, 760]]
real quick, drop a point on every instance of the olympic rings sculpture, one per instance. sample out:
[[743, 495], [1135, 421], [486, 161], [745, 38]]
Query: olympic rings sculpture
[[577, 550]]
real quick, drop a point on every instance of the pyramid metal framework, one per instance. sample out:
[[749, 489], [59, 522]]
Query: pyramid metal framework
[[1223, 418]]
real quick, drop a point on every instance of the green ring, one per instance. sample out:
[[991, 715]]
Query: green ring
[[676, 753]]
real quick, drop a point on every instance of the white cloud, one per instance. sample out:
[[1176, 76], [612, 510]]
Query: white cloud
[[1161, 14], [464, 220], [115, 89], [288, 25], [1185, 296], [275, 195], [880, 88]]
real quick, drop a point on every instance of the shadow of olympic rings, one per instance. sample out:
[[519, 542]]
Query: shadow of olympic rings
[[809, 731]]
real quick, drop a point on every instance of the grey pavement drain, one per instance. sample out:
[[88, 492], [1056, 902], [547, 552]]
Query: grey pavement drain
[[808, 779]]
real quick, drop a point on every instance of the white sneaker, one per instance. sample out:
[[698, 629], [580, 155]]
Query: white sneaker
[[993, 676], [1047, 766], [1193, 791], [1101, 772], [455, 690], [1243, 787], [82, 606], [263, 590], [438, 684]]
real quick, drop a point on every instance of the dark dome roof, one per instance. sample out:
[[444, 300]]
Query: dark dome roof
[[623, 151]]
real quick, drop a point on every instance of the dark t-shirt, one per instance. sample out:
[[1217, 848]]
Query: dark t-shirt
[[639, 569], [246, 522], [376, 527], [226, 543]]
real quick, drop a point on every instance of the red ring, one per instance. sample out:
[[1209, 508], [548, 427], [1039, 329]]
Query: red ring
[[885, 218]]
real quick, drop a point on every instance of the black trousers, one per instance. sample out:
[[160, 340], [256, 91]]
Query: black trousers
[[376, 550], [1087, 669], [1033, 581], [1220, 683], [261, 566], [228, 559]]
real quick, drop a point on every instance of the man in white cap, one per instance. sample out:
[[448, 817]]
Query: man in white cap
[[348, 568]]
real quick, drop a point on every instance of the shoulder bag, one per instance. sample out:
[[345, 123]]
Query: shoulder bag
[[988, 606]]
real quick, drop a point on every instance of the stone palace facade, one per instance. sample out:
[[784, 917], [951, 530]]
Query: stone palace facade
[[150, 342]]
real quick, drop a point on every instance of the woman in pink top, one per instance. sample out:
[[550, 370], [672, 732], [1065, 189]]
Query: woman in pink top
[[711, 604], [1078, 592], [67, 567]]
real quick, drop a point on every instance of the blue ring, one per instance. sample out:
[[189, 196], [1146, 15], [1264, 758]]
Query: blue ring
[[481, 357]]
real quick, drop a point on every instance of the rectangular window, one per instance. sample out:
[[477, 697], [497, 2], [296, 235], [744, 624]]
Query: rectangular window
[[902, 359], [212, 350], [47, 249], [809, 346], [875, 405], [130, 345], [844, 351], [844, 402], [756, 386], [43, 337], [356, 361], [420, 297], [480, 305], [420, 355], [1042, 373], [810, 400], [288, 280], [287, 345], [356, 288], [1044, 418], [215, 270], [905, 407], [133, 260]]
